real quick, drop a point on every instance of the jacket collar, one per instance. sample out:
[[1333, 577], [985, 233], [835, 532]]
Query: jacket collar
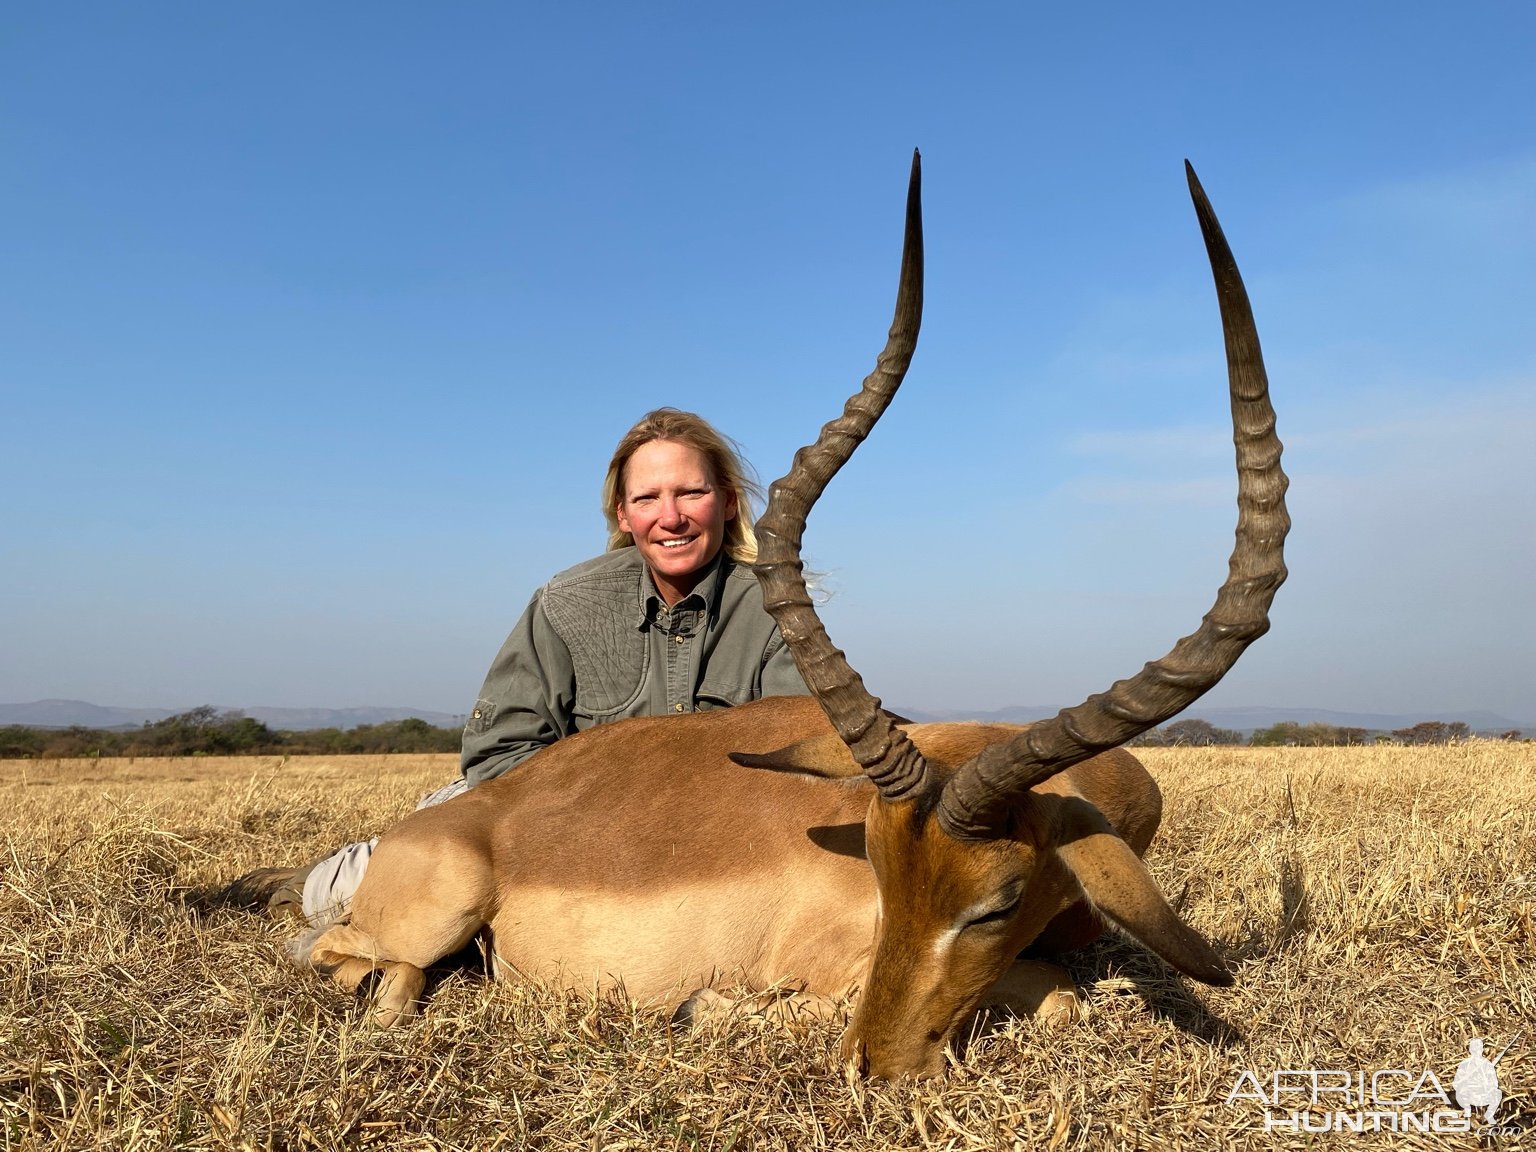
[[705, 596]]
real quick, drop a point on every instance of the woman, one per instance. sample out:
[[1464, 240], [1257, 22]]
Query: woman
[[669, 620]]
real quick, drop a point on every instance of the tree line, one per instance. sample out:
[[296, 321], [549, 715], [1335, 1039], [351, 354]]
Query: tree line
[[206, 731], [1202, 733]]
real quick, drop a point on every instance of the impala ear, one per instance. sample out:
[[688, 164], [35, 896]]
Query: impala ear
[[1121, 890], [824, 756]]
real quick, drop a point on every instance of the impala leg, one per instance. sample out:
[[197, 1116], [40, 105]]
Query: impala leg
[[1036, 991], [398, 996], [707, 1009], [419, 902], [350, 956], [347, 973]]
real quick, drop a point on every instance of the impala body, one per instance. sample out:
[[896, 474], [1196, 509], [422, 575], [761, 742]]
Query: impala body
[[816, 843], [641, 854]]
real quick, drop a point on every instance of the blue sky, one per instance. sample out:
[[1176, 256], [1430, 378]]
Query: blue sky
[[320, 322]]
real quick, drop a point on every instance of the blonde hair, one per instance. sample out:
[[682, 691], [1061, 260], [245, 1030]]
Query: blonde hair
[[731, 475]]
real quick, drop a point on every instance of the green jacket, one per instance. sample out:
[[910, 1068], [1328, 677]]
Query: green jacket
[[597, 644]]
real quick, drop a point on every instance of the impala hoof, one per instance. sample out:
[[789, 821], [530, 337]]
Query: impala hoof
[[1058, 1008], [704, 1007], [398, 996]]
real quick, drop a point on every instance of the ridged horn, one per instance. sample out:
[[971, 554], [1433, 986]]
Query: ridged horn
[[881, 749], [975, 802]]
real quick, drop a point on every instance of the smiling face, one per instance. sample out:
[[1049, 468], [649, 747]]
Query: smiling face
[[671, 504]]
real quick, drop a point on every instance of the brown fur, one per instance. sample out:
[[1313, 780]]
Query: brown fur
[[639, 855]]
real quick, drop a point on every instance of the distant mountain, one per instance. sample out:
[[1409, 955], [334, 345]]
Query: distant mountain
[[1246, 720], [70, 713]]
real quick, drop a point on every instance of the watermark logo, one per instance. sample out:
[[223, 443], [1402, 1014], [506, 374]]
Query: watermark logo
[[1380, 1100], [1477, 1081]]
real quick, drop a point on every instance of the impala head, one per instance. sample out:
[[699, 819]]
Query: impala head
[[977, 841], [953, 916]]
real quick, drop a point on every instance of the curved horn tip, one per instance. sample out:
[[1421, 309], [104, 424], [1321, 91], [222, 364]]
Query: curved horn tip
[[1196, 189]]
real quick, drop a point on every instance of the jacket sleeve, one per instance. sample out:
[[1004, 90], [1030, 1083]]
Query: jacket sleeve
[[527, 700]]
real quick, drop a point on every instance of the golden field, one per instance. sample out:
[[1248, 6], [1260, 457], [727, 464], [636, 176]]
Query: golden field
[[1378, 905]]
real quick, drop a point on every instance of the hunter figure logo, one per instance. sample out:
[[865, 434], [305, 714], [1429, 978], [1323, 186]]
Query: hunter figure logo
[[1380, 1100], [1477, 1081]]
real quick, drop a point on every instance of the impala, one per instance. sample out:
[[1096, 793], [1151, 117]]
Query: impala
[[817, 844]]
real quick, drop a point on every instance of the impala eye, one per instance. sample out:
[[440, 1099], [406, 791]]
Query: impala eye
[[1007, 905]]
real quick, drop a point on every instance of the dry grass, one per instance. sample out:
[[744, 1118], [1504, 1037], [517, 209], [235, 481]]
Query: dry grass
[[1380, 905]]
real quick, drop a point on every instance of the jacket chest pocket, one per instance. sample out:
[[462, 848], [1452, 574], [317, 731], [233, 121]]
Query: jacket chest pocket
[[716, 693]]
